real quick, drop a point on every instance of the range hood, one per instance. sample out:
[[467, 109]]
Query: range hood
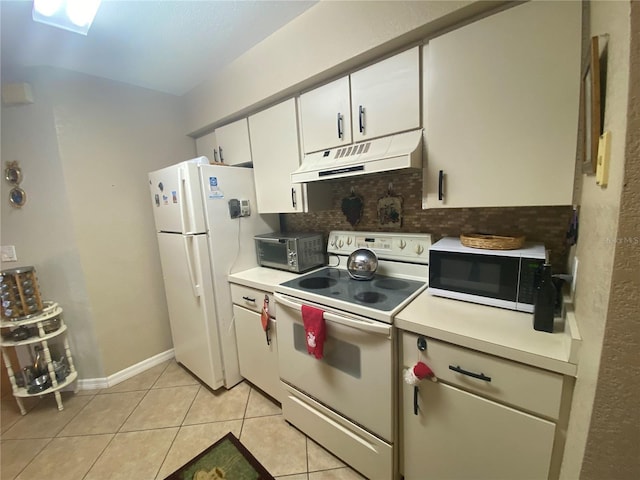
[[395, 152]]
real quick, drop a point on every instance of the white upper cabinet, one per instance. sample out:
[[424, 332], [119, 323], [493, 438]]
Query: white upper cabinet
[[276, 153], [381, 99], [233, 146], [385, 97], [501, 105], [326, 116], [206, 146]]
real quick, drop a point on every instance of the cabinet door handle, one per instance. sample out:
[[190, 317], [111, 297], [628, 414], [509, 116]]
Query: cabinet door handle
[[215, 155], [440, 184], [221, 158], [361, 118], [416, 391], [294, 203], [479, 376], [249, 299], [339, 125]]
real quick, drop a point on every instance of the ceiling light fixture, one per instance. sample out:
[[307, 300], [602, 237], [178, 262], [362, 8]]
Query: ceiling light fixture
[[73, 15]]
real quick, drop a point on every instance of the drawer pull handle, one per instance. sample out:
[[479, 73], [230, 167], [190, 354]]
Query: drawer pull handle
[[249, 299], [415, 399], [479, 376]]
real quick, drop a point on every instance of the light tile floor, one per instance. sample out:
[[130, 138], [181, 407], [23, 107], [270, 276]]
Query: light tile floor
[[147, 426]]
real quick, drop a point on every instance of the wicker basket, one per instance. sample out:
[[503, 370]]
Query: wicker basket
[[491, 242]]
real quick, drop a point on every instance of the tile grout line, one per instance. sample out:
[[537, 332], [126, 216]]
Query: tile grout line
[[34, 457], [39, 402], [252, 394], [246, 407], [186, 414], [93, 464]]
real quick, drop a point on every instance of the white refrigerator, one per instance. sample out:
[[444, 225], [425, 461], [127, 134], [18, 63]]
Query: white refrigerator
[[206, 218]]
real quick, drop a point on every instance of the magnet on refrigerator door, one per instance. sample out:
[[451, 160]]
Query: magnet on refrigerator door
[[215, 191]]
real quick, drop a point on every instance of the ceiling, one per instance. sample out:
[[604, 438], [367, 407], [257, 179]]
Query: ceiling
[[168, 46]]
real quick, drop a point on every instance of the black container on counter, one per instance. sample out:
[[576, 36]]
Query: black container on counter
[[544, 301]]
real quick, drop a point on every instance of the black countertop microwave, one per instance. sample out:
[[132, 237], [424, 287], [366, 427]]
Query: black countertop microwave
[[499, 278]]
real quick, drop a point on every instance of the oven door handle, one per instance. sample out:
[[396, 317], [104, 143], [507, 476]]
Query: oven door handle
[[366, 325]]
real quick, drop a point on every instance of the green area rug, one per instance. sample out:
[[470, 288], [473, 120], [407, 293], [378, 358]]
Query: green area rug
[[226, 459]]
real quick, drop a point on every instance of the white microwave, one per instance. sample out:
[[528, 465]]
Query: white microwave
[[499, 278]]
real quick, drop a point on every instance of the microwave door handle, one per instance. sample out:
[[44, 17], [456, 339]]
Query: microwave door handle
[[271, 240], [369, 326]]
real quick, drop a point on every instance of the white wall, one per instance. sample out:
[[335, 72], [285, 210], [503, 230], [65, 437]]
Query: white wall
[[326, 40], [42, 230], [599, 212], [102, 253]]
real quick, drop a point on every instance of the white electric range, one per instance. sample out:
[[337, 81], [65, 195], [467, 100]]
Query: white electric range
[[346, 400]]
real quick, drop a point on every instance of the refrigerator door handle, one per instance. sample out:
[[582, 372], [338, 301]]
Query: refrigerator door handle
[[188, 250], [183, 203], [186, 209]]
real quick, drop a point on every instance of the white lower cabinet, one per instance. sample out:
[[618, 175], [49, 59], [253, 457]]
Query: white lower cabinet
[[470, 424], [258, 358], [457, 434]]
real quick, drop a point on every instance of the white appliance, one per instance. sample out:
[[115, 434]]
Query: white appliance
[[206, 219], [346, 400], [395, 152], [499, 278]]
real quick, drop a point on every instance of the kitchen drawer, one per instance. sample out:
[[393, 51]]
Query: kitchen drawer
[[528, 388], [361, 450], [252, 298]]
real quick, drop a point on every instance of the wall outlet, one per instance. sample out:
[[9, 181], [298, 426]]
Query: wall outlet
[[8, 253]]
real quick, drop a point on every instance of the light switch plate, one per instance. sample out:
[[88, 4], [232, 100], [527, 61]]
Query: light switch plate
[[604, 154], [8, 253]]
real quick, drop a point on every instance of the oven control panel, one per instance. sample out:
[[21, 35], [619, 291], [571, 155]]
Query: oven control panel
[[408, 247]]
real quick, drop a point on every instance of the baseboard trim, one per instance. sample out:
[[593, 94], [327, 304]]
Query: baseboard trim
[[122, 375]]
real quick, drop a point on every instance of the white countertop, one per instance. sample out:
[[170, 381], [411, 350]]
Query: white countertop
[[497, 331], [501, 332], [262, 278]]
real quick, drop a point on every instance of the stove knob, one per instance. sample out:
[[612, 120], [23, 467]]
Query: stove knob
[[340, 243], [419, 249], [349, 240], [402, 244], [333, 242]]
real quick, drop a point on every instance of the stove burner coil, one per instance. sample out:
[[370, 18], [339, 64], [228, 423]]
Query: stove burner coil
[[370, 297]]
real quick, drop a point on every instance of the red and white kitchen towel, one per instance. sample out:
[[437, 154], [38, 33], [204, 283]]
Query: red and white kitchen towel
[[315, 330]]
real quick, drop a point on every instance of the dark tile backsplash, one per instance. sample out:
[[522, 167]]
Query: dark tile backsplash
[[541, 224]]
